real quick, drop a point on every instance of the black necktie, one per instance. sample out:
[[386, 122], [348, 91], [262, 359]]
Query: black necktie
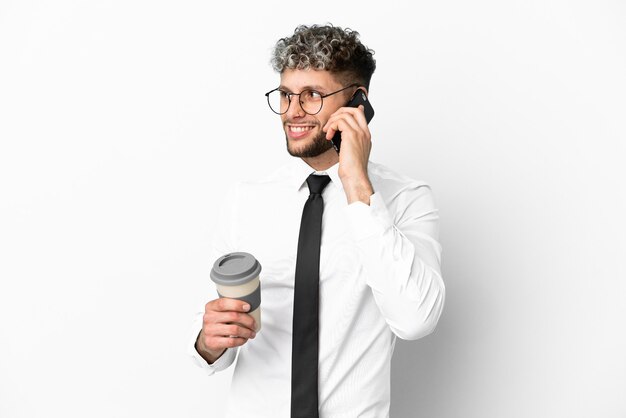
[[304, 357]]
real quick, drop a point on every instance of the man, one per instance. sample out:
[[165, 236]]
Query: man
[[379, 258]]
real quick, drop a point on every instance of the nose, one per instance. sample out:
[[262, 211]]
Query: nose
[[295, 108]]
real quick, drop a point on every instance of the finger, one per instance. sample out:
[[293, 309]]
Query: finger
[[231, 317], [227, 304], [350, 114], [232, 330], [228, 342], [333, 128], [342, 122], [359, 116], [357, 113]]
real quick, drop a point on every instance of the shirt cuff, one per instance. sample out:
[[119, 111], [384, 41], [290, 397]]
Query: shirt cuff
[[368, 220]]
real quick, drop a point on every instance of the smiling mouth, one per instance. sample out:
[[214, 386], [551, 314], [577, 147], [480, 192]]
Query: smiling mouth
[[300, 129]]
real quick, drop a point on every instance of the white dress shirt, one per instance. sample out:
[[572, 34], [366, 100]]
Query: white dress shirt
[[380, 278]]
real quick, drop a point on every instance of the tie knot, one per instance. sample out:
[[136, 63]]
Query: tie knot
[[317, 183]]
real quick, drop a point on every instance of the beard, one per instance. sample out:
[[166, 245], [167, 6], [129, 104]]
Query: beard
[[317, 146]]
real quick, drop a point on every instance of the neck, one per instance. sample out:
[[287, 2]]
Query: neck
[[323, 161]]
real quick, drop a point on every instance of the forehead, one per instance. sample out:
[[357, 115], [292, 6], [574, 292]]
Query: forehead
[[296, 80]]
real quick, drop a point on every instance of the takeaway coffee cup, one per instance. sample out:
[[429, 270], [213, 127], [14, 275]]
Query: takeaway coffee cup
[[236, 275]]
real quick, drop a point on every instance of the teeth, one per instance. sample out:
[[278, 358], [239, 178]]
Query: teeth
[[300, 128]]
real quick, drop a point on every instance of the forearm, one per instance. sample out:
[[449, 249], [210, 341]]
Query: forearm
[[358, 190]]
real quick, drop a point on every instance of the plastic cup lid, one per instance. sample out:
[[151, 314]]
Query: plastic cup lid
[[235, 269]]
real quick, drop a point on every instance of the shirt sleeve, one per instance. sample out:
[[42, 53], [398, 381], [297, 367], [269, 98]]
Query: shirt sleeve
[[223, 241], [401, 257]]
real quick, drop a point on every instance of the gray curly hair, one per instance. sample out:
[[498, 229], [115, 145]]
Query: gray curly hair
[[328, 48]]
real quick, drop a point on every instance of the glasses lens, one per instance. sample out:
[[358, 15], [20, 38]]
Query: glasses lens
[[278, 101], [311, 101]]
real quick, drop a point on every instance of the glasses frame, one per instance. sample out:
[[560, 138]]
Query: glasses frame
[[290, 95]]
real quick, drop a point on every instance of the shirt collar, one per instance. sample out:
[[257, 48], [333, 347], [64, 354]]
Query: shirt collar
[[300, 170]]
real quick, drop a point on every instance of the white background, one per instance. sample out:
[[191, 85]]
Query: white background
[[122, 122]]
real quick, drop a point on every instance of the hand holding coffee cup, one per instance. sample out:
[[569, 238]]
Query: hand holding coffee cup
[[236, 276], [226, 323]]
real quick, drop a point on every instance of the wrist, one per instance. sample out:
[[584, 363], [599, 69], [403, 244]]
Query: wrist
[[359, 191], [207, 354]]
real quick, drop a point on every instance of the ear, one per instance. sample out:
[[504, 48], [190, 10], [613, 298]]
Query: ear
[[363, 89]]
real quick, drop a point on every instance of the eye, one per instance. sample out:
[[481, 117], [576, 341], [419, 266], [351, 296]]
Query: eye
[[283, 94], [313, 95]]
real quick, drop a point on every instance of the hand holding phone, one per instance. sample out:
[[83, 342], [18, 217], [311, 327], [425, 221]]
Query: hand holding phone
[[358, 98]]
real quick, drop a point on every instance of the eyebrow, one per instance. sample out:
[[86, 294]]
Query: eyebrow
[[311, 87]]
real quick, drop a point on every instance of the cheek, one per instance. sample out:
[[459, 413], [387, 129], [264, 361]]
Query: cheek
[[322, 119]]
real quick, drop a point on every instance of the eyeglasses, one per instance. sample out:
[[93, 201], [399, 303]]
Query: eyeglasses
[[311, 101]]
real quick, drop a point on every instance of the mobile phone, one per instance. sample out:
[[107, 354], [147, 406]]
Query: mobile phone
[[358, 98]]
